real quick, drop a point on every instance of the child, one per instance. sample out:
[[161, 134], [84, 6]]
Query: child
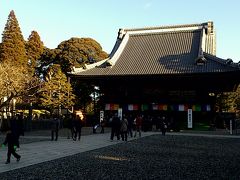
[[10, 140]]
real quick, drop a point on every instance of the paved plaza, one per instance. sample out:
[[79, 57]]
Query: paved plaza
[[153, 156]]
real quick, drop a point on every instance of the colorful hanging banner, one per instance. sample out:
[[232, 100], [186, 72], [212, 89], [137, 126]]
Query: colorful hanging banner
[[115, 107], [132, 107], [176, 107], [107, 107], [125, 107], [208, 107], [155, 106], [193, 107], [163, 107], [160, 107], [181, 107], [196, 107], [171, 108], [111, 107], [144, 107]]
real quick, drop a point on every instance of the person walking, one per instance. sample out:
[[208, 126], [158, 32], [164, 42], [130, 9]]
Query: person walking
[[130, 125], [115, 127], [15, 130], [19, 129], [164, 126], [102, 123], [74, 127], [55, 128], [10, 140], [124, 128], [20, 124], [138, 126], [69, 120], [79, 124]]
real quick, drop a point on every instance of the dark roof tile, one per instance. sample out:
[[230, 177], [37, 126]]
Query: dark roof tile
[[161, 53]]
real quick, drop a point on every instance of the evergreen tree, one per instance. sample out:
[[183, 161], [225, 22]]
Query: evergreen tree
[[34, 48], [75, 52], [237, 100], [13, 46], [47, 59], [57, 91], [228, 101], [83, 91]]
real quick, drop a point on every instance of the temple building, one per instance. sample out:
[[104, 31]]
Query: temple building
[[168, 70]]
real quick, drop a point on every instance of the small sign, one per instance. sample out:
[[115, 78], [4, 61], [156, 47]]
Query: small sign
[[231, 126], [120, 113], [101, 116], [189, 118], [5, 108]]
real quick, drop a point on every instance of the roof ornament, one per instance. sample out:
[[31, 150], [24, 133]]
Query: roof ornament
[[238, 64], [121, 33], [229, 61], [210, 27], [108, 63], [200, 60]]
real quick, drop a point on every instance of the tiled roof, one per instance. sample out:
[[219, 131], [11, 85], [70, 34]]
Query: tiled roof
[[159, 53]]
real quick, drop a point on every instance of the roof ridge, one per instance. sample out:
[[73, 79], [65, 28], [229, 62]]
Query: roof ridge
[[166, 32], [165, 27], [226, 62]]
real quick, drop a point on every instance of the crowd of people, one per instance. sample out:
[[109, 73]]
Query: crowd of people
[[130, 126], [75, 124], [121, 127], [14, 129]]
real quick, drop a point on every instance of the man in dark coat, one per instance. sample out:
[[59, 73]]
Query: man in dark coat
[[10, 140], [55, 127], [116, 123], [78, 125], [14, 130], [130, 125], [18, 129]]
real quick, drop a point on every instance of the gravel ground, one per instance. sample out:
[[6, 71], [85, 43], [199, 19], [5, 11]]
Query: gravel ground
[[153, 157]]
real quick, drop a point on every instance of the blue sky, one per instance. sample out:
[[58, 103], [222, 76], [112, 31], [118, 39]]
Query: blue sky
[[59, 20]]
